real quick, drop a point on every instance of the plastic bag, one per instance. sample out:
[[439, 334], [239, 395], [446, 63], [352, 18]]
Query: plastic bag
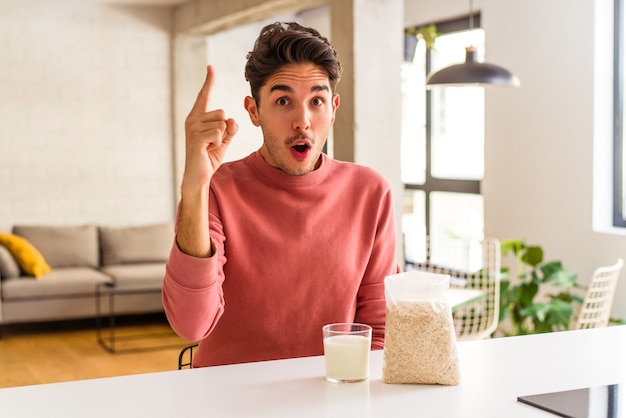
[[420, 342]]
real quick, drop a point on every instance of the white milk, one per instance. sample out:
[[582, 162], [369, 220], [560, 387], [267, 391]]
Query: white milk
[[347, 357]]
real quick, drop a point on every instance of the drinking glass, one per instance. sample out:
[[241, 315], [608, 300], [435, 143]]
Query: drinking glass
[[347, 352]]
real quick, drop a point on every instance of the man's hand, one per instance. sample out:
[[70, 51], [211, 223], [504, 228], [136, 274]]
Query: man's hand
[[208, 134]]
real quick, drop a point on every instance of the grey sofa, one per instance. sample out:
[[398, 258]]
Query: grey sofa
[[80, 257]]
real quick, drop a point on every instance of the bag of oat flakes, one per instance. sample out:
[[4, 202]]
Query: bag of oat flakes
[[420, 342]]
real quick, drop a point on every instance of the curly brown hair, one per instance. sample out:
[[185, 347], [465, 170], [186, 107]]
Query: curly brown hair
[[283, 43]]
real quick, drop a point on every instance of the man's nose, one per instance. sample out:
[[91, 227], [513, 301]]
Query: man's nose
[[302, 119]]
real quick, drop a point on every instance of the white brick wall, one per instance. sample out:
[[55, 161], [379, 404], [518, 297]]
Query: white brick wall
[[85, 113]]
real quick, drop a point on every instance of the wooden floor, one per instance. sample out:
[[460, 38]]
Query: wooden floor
[[62, 351]]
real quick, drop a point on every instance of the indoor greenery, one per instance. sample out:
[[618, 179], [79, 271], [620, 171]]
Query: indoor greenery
[[428, 33], [541, 299]]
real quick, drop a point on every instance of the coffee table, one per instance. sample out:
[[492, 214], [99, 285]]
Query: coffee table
[[108, 340]]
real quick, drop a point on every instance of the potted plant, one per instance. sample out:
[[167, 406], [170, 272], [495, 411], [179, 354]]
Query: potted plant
[[531, 308]]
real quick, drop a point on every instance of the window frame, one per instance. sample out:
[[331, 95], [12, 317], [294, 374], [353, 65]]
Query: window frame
[[619, 212], [435, 184]]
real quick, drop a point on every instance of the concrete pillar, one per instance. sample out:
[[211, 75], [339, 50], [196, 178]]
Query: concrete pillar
[[369, 37]]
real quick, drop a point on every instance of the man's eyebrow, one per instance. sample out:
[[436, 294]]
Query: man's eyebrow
[[321, 87], [286, 88], [281, 87]]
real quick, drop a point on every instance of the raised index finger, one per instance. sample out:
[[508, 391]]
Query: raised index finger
[[202, 101]]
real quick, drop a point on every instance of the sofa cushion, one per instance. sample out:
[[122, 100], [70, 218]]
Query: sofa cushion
[[60, 282], [8, 265], [136, 244], [136, 274], [30, 260], [64, 246]]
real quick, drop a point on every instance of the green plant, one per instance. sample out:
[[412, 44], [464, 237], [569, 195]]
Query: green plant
[[428, 33], [554, 310]]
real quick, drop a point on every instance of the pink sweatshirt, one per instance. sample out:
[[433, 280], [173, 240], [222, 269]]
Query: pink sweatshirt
[[293, 253]]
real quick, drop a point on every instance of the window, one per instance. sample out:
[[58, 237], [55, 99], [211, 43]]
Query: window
[[619, 156], [442, 144]]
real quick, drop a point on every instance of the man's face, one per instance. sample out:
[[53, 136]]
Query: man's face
[[295, 113]]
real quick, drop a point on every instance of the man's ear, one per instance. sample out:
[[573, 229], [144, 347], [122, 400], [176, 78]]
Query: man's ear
[[250, 104], [336, 102]]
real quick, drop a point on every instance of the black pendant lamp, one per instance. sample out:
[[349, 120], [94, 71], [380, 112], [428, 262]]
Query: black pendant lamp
[[472, 72]]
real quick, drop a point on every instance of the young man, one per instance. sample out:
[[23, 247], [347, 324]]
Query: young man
[[272, 247]]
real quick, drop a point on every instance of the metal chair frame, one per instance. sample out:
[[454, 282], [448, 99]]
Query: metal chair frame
[[186, 352]]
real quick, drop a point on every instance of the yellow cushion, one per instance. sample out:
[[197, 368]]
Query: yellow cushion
[[28, 257]]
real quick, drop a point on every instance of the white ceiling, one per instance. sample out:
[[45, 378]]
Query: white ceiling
[[144, 2]]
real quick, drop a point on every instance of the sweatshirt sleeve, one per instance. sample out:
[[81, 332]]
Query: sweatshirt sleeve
[[192, 291], [371, 305]]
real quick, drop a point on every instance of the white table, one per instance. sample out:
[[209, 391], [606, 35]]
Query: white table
[[494, 372]]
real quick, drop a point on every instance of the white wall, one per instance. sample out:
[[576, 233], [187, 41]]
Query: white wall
[[541, 139], [85, 131]]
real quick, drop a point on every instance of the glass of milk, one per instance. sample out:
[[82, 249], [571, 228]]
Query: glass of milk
[[347, 352]]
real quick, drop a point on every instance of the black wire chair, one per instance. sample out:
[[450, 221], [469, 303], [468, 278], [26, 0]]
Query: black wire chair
[[185, 358]]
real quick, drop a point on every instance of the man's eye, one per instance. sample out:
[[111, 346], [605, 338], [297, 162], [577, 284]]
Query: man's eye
[[282, 101], [317, 101]]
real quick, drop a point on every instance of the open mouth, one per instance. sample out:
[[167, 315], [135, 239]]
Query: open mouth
[[301, 148]]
